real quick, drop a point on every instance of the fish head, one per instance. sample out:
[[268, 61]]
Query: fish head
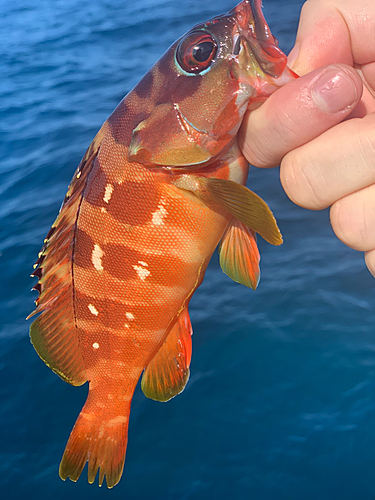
[[204, 84]]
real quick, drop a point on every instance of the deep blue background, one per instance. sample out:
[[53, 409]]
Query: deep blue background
[[281, 401]]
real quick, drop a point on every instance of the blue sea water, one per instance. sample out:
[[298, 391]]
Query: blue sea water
[[281, 400]]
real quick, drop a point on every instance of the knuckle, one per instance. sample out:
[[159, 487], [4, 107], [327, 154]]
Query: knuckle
[[286, 127], [342, 223], [353, 221], [269, 136], [301, 183], [257, 142], [366, 137], [370, 261], [255, 151], [306, 7], [261, 154]]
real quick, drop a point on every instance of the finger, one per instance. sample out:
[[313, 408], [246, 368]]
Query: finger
[[368, 71], [370, 261], [353, 219], [320, 27], [338, 162], [299, 112], [332, 32]]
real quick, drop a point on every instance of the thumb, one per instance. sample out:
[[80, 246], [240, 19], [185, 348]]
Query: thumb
[[298, 112]]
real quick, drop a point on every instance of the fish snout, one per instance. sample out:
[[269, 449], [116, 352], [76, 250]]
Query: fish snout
[[255, 35]]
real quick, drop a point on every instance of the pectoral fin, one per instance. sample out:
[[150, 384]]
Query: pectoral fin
[[237, 201], [168, 372], [239, 254]]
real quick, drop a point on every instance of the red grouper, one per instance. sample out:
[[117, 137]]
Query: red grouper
[[160, 185]]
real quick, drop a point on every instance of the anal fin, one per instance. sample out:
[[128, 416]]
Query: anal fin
[[239, 254], [168, 372]]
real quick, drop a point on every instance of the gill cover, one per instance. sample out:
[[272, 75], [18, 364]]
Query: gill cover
[[167, 138]]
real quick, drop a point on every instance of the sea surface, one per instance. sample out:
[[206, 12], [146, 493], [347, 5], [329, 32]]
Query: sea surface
[[281, 400]]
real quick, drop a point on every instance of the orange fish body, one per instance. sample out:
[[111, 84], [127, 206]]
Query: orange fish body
[[159, 187]]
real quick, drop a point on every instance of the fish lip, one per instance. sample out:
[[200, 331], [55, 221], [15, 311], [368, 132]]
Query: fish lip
[[256, 34], [262, 30], [252, 9]]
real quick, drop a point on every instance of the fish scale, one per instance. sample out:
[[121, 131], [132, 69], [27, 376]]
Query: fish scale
[[161, 184]]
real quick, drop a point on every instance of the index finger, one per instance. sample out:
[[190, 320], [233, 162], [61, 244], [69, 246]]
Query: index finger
[[334, 31]]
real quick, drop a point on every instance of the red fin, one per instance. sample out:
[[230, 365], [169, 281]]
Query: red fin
[[101, 440], [54, 334], [168, 372], [239, 254]]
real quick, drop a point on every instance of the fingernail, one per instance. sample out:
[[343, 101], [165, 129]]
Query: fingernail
[[334, 91], [293, 54]]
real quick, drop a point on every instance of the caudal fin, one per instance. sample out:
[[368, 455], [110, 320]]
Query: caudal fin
[[101, 442]]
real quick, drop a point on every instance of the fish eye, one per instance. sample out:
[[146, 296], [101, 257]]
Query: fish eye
[[196, 52]]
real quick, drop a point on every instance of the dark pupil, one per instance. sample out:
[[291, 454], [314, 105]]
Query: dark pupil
[[202, 51]]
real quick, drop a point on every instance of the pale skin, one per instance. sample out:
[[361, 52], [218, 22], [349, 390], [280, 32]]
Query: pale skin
[[321, 127]]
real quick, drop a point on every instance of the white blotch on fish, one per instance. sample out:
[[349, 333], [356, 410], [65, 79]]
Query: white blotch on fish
[[93, 309], [96, 257]]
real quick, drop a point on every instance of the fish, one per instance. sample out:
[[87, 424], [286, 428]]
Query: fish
[[160, 187]]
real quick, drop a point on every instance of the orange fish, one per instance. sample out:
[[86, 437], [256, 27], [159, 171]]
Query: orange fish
[[160, 185]]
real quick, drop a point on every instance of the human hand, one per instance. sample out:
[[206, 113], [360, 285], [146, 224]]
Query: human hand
[[325, 160]]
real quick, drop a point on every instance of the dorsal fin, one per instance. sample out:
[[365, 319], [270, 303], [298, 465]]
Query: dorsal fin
[[53, 333], [168, 372]]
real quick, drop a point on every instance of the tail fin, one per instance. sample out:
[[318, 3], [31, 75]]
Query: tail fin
[[99, 440]]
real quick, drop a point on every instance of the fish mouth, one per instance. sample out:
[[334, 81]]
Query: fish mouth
[[236, 45], [254, 31]]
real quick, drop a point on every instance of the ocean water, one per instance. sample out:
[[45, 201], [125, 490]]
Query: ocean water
[[281, 401]]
